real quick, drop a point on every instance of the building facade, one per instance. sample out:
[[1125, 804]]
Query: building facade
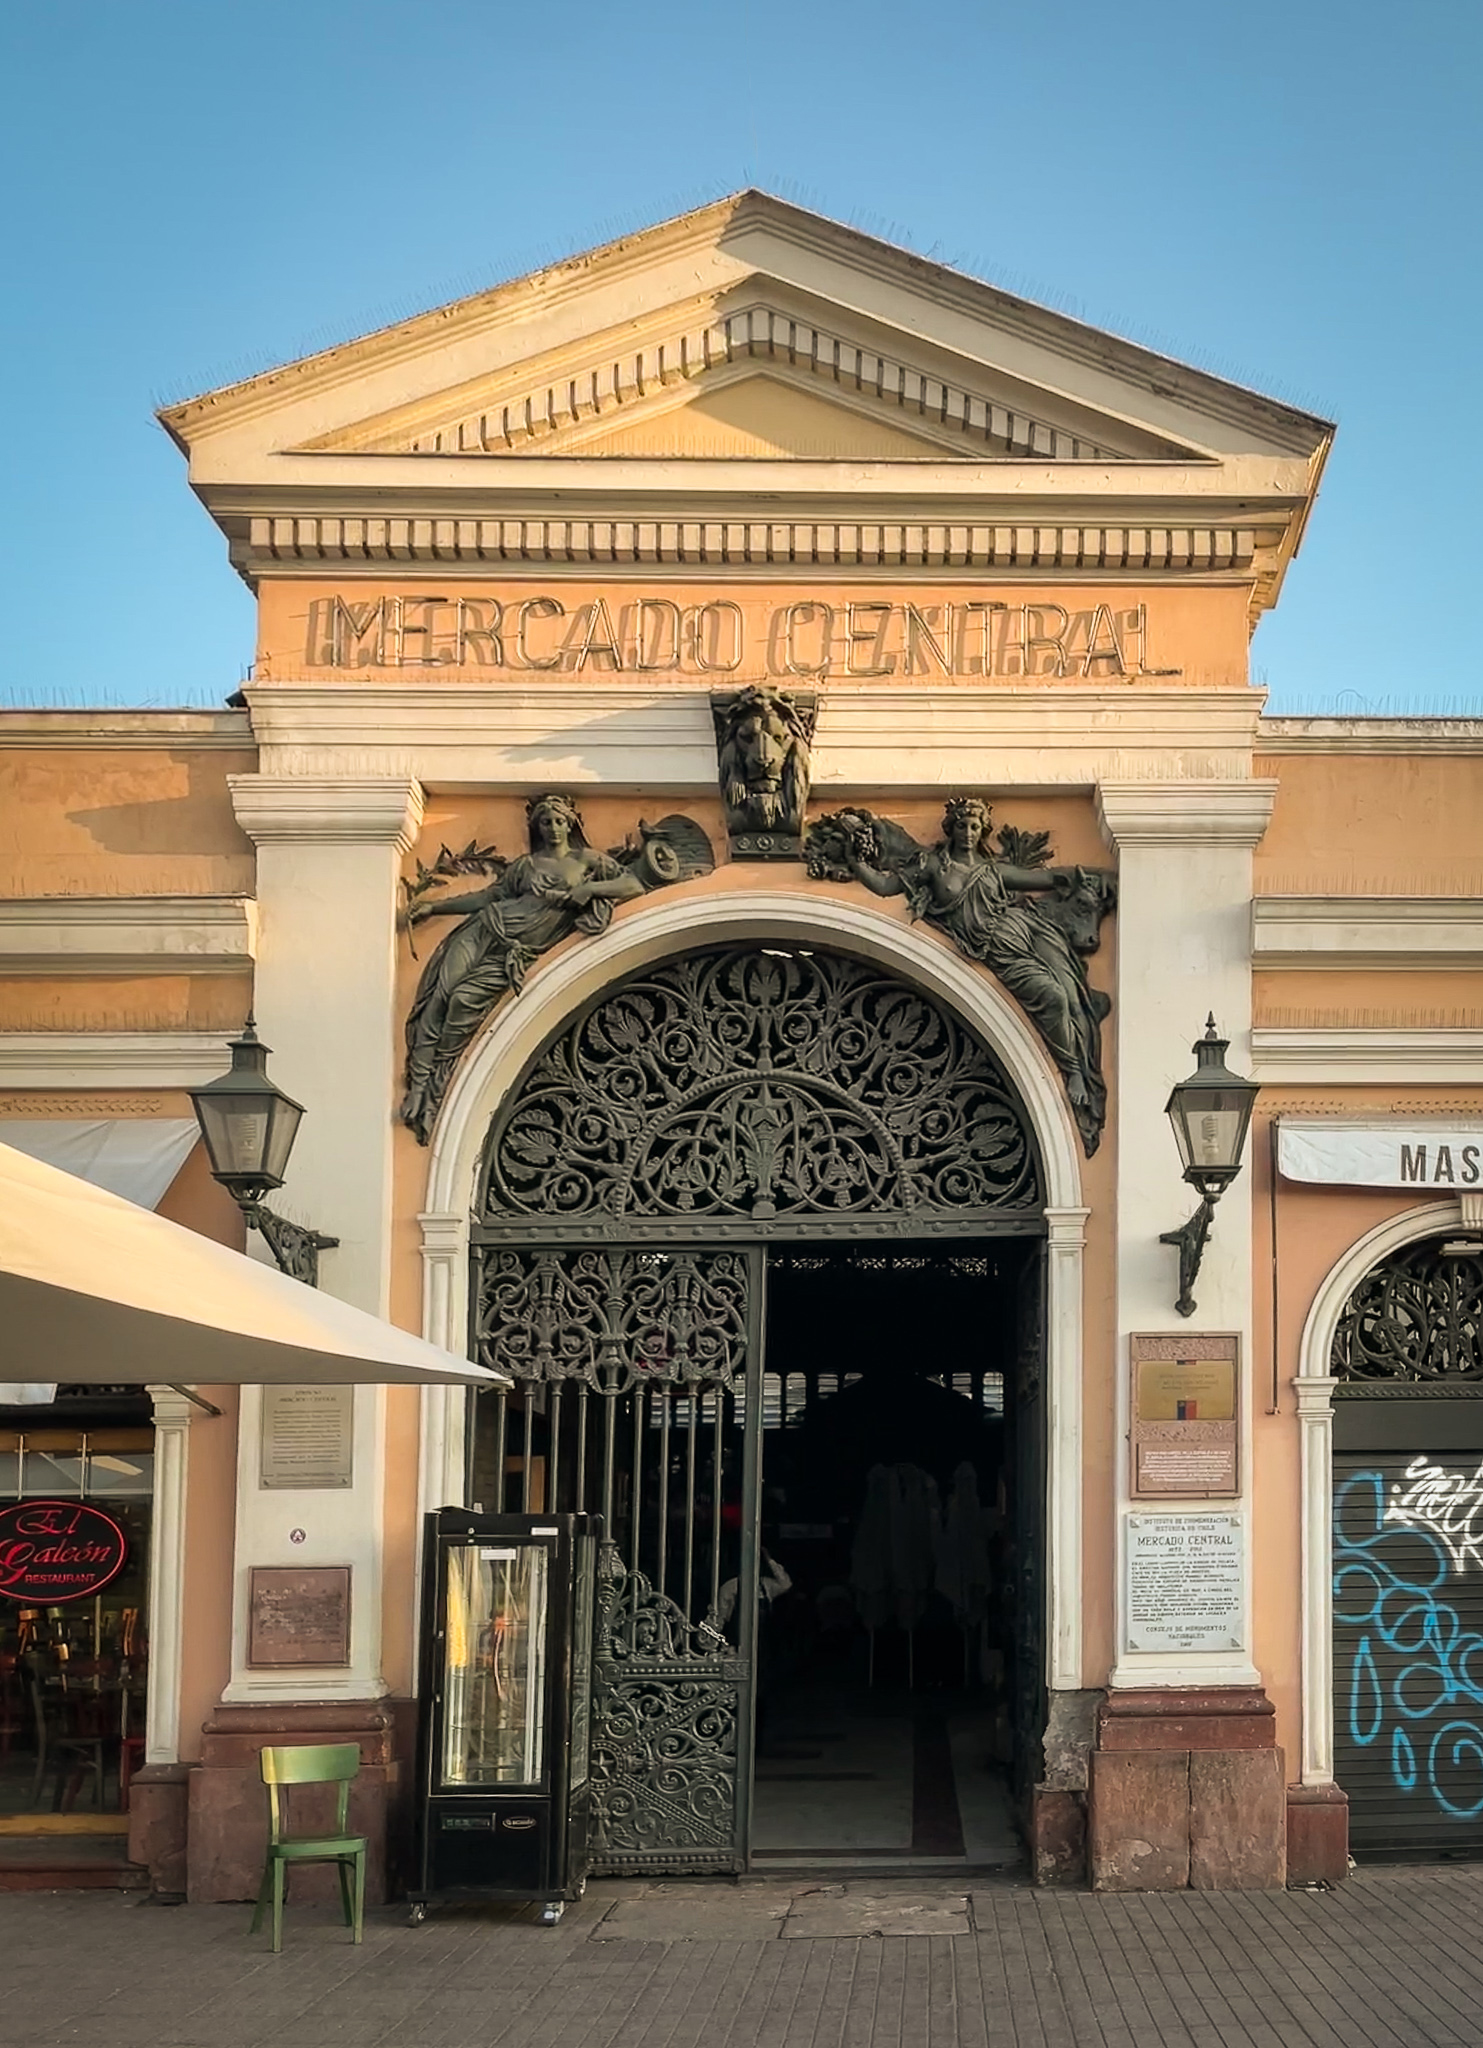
[[751, 786]]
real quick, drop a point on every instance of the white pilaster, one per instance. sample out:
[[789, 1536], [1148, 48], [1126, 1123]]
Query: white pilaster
[[1316, 1423], [172, 1420], [1183, 950], [1065, 1249], [328, 864]]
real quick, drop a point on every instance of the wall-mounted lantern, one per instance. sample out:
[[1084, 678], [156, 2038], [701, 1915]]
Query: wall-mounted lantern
[[249, 1126], [1211, 1114]]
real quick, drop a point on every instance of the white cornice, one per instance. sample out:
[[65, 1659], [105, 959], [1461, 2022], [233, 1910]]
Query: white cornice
[[1311, 1054], [127, 934], [349, 811], [64, 1061], [1185, 813], [110, 731], [892, 740], [1392, 932], [1370, 736]]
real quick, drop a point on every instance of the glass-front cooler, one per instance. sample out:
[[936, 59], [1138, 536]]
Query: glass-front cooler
[[507, 1621]]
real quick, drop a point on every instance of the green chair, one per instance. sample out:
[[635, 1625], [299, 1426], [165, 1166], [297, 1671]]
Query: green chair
[[331, 1763]]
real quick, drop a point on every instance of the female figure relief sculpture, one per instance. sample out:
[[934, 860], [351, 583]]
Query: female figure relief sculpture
[[560, 887], [981, 900]]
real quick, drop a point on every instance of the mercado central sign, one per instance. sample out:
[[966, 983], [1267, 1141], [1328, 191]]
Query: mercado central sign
[[806, 637]]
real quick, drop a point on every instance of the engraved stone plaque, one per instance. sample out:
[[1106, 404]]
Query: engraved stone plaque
[[1185, 1582], [308, 1436], [298, 1615], [1185, 1436]]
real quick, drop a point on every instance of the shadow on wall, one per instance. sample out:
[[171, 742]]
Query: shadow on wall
[[201, 821]]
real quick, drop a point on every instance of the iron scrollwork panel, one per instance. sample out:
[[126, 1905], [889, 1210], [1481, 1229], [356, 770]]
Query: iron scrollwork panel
[[1416, 1319], [639, 1386], [759, 1086]]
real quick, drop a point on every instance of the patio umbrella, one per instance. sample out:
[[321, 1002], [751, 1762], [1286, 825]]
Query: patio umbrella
[[96, 1290]]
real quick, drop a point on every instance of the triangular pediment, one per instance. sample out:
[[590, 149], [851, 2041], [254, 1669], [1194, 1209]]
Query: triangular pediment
[[749, 353], [745, 377]]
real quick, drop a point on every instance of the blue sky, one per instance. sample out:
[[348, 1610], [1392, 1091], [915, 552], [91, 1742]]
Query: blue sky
[[1287, 194]]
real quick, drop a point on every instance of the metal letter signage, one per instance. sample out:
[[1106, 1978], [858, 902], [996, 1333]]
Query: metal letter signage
[[56, 1550], [1446, 1153], [808, 639]]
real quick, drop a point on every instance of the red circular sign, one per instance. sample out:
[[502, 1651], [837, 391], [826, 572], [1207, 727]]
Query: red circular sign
[[56, 1550]]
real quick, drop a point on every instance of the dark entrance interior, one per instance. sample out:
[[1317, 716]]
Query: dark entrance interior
[[898, 1652]]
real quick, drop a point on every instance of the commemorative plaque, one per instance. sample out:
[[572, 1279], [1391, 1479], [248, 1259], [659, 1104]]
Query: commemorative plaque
[[308, 1437], [298, 1615], [1185, 1435], [1185, 1583]]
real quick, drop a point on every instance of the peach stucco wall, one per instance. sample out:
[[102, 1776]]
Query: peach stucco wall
[[1357, 824], [1316, 1226], [80, 822]]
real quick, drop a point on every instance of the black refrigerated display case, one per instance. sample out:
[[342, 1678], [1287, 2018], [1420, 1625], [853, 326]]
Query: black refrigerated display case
[[504, 1731]]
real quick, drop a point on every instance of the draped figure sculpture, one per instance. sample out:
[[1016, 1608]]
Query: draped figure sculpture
[[985, 902], [560, 887]]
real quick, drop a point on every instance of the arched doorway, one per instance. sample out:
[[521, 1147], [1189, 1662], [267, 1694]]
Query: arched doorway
[[726, 1124], [1406, 1363]]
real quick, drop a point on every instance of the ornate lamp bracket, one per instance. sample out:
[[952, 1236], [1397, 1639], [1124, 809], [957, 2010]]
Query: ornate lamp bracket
[[295, 1248], [1189, 1241]]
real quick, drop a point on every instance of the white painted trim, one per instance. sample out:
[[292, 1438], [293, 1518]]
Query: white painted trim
[[318, 811], [106, 730], [653, 930], [167, 1553], [1314, 1053], [1314, 1388], [901, 739], [127, 934], [64, 1061], [1279, 735], [1366, 931]]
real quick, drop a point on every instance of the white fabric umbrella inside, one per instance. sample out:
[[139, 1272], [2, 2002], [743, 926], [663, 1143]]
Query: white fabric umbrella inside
[[95, 1290]]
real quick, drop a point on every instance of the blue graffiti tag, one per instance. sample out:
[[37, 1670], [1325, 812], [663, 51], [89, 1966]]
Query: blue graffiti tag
[[1389, 1587]]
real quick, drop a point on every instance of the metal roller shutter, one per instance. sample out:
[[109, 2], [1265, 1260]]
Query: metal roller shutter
[[1408, 1649]]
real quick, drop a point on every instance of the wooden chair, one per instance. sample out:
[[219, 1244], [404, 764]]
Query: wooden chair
[[331, 1763]]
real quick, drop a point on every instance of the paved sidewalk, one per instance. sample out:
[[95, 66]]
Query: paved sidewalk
[[1395, 1957]]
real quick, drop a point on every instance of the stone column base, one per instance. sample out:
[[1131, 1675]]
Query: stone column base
[[158, 1799], [1058, 1836], [229, 1805], [1187, 1792], [1317, 1834]]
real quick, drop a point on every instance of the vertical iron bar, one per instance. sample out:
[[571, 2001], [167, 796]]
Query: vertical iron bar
[[582, 1400], [640, 1395], [716, 1446], [663, 1396], [692, 1434], [751, 1544], [528, 1462], [609, 1454], [501, 1429], [553, 1453]]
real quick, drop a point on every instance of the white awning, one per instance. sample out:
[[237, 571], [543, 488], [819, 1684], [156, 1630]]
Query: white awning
[[100, 1291], [136, 1157]]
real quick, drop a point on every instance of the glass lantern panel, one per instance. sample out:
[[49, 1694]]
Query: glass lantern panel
[[237, 1134], [494, 1664], [1215, 1135]]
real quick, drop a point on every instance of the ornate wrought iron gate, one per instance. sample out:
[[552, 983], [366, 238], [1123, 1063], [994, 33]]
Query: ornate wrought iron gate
[[631, 1182], [640, 1375]]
